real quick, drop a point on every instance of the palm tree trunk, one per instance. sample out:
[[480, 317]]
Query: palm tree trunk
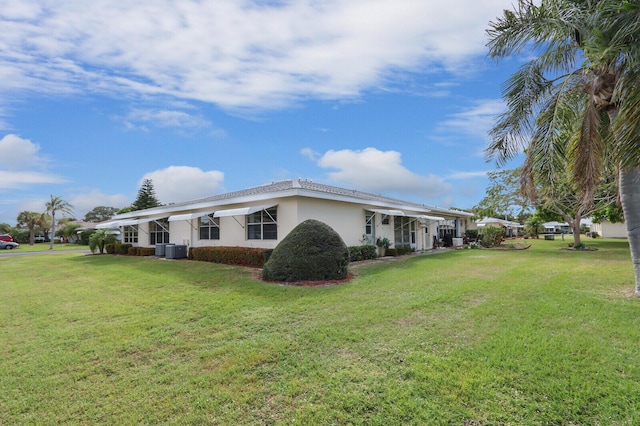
[[630, 197], [53, 229]]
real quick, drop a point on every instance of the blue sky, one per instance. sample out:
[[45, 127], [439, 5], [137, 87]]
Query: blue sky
[[386, 96]]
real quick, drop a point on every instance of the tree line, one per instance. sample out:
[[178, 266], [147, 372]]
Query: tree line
[[30, 224]]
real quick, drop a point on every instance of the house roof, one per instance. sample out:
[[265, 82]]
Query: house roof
[[290, 188], [506, 223]]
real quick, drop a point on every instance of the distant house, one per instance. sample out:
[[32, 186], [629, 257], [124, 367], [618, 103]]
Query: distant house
[[512, 229], [607, 229], [556, 228], [263, 216]]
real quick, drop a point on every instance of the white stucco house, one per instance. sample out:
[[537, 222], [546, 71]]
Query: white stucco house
[[512, 229], [557, 228], [262, 216]]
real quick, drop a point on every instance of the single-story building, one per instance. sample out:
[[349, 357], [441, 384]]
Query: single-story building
[[262, 216], [557, 228], [607, 229], [512, 229]]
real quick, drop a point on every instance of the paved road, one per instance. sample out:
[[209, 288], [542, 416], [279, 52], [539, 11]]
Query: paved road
[[17, 252]]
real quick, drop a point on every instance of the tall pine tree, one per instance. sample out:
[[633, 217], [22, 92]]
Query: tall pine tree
[[146, 197]]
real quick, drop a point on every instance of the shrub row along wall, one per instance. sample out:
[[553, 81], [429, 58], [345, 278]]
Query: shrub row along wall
[[244, 256], [117, 248], [358, 253], [254, 257]]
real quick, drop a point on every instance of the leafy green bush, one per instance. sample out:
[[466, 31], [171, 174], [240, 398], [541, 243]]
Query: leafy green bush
[[471, 234], [110, 248], [366, 252], [123, 248], [84, 236], [245, 256], [492, 236], [404, 249], [312, 251]]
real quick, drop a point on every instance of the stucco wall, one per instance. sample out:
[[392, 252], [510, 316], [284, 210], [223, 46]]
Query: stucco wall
[[610, 230], [348, 220], [345, 218]]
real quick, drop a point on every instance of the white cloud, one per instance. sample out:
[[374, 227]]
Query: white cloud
[[139, 118], [235, 54], [476, 119], [380, 171], [22, 165], [84, 202], [182, 183], [21, 179], [470, 127], [309, 153], [18, 153], [460, 175]]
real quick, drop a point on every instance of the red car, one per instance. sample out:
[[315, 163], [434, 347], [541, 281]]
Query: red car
[[6, 237]]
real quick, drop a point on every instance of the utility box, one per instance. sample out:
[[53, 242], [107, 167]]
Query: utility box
[[176, 251], [161, 249]]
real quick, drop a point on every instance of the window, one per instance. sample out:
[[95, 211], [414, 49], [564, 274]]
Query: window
[[159, 232], [131, 234], [209, 228], [385, 219], [369, 230], [404, 231], [263, 225]]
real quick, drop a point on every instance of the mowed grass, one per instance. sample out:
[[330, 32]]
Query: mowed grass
[[44, 247], [468, 337]]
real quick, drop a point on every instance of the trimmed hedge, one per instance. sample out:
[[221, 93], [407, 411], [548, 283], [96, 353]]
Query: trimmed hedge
[[245, 256], [141, 251], [366, 252], [117, 248]]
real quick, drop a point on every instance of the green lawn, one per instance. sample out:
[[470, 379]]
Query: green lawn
[[45, 247], [468, 337]]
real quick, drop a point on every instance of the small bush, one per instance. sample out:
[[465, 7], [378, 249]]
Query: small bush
[[471, 234], [85, 235], [110, 248], [132, 251], [492, 236], [312, 251], [358, 253], [123, 248], [406, 249]]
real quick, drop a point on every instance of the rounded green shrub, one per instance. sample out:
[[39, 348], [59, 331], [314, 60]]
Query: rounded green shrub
[[492, 236], [312, 251]]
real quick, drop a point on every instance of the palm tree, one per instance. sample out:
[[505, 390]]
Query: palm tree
[[56, 204], [31, 220], [588, 57], [70, 231], [99, 239]]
